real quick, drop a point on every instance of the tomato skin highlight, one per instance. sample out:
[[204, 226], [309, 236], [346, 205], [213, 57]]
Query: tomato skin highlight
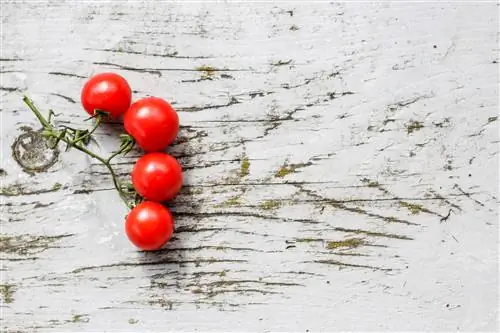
[[108, 92], [152, 122], [157, 176], [149, 225]]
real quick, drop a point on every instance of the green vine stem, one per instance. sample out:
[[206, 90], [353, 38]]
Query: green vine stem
[[78, 142]]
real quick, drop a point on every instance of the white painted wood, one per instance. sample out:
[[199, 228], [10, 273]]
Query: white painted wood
[[341, 168]]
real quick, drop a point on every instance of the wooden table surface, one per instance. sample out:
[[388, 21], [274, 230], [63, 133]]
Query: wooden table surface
[[341, 167]]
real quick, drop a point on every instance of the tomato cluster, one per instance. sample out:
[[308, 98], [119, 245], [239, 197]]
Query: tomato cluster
[[153, 124]]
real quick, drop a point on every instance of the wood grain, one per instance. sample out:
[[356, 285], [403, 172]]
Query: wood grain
[[341, 168]]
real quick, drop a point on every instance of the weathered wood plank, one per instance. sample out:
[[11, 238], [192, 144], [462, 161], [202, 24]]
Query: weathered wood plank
[[341, 168]]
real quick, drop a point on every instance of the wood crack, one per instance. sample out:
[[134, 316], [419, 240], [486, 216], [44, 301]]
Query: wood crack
[[343, 264], [157, 263], [174, 55]]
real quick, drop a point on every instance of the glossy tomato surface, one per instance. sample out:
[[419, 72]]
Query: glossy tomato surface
[[152, 122], [157, 176], [108, 92], [149, 225]]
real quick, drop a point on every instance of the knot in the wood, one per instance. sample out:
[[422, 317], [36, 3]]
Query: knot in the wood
[[31, 151]]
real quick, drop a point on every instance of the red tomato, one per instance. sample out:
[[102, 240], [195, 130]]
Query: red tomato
[[108, 92], [149, 225], [157, 176], [152, 122]]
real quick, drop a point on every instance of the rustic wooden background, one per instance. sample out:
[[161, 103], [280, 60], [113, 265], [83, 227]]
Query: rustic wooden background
[[341, 167]]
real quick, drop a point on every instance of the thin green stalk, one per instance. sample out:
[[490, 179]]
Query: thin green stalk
[[116, 153], [50, 131], [37, 113], [98, 120]]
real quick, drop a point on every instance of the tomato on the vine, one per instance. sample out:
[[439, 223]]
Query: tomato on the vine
[[108, 92], [149, 225], [157, 176], [152, 122]]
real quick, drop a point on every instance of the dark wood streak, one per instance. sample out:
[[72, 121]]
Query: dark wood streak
[[10, 89], [341, 264], [67, 74], [158, 71], [173, 55], [69, 99], [237, 282], [232, 101], [200, 215], [157, 263]]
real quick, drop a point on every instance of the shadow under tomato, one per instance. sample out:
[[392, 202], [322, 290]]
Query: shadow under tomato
[[170, 267]]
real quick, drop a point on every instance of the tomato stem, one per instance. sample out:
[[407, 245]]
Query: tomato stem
[[87, 135], [77, 142]]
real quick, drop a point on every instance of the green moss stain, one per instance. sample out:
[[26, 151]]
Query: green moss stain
[[416, 208], [238, 174], [283, 171], [245, 167], [370, 183], [19, 189], [11, 190], [208, 71], [413, 208], [349, 243], [270, 204], [132, 321], [373, 233], [233, 201], [287, 169], [222, 273], [414, 126], [79, 318], [27, 244], [7, 291]]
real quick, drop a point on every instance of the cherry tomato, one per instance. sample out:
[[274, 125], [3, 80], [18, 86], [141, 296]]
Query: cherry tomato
[[157, 176], [149, 225], [152, 122], [108, 92]]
